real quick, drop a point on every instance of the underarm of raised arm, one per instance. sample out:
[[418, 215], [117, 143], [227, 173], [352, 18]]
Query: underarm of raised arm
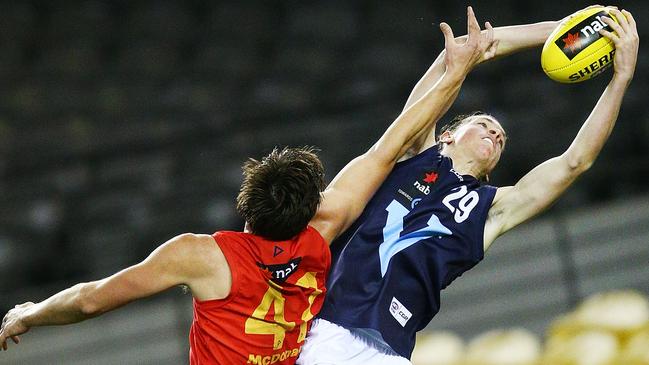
[[532, 194]]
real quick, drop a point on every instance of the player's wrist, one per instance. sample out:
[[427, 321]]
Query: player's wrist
[[453, 76], [622, 79], [27, 316], [546, 29]]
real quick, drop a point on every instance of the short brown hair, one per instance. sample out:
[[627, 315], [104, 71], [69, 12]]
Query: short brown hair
[[281, 193]]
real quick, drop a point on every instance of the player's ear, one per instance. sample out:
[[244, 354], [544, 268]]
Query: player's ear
[[446, 137]]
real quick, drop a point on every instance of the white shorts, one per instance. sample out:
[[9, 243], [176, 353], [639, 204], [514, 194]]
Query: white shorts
[[330, 344]]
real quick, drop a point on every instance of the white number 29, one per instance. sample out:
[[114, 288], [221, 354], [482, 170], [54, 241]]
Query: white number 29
[[464, 206]]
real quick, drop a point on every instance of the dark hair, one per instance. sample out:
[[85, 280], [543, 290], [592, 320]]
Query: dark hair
[[281, 193]]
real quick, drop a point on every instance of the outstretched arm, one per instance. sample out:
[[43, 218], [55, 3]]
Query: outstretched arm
[[182, 260], [539, 188], [348, 193], [507, 40]]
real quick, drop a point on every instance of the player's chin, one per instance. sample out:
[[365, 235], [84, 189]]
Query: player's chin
[[486, 153]]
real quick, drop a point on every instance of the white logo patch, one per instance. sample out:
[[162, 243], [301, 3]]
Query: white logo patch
[[399, 312]]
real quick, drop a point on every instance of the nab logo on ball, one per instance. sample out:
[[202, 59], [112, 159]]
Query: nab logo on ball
[[575, 51], [582, 35]]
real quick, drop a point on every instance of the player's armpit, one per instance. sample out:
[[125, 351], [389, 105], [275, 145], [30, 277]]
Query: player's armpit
[[531, 195]]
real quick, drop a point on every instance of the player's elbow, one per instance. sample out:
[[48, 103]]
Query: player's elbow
[[577, 165], [373, 156], [86, 302]]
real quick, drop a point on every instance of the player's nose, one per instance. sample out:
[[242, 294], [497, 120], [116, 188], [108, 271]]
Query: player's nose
[[494, 132]]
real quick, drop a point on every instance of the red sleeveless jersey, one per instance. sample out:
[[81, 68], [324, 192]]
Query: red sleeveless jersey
[[277, 288]]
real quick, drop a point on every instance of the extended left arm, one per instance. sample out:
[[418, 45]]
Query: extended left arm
[[544, 184], [178, 261]]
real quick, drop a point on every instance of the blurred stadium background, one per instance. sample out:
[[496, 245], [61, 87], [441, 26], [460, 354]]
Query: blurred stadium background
[[124, 123]]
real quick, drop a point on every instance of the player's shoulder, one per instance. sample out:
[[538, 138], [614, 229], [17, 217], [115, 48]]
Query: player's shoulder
[[193, 241], [195, 249], [199, 260]]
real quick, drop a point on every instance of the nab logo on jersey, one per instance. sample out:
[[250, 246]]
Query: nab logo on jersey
[[429, 178], [281, 272]]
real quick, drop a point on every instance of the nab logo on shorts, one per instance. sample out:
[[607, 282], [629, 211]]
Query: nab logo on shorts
[[399, 312], [582, 35]]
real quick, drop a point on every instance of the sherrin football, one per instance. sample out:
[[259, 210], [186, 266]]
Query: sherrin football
[[575, 51]]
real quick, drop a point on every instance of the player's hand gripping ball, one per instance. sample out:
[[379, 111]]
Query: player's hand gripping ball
[[575, 51]]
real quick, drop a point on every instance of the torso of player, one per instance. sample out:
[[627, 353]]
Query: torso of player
[[422, 229], [277, 287]]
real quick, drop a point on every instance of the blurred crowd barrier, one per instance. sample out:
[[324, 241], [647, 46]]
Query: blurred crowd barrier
[[610, 328]]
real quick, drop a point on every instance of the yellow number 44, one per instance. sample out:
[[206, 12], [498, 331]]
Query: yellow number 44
[[257, 323]]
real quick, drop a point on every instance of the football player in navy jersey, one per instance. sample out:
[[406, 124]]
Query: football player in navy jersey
[[433, 219]]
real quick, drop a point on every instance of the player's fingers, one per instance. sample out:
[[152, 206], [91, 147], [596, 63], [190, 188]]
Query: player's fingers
[[473, 28], [15, 339], [621, 19], [489, 28], [4, 343], [615, 26], [630, 19], [449, 38], [491, 51], [609, 35], [490, 34]]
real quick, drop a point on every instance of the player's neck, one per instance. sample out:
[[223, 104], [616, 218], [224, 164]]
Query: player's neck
[[463, 164]]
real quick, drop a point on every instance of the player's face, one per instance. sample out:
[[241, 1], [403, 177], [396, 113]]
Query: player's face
[[484, 137]]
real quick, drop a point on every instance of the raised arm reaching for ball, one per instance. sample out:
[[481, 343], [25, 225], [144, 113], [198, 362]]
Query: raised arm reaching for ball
[[544, 184]]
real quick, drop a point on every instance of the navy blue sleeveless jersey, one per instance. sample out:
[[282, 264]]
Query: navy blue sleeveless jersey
[[422, 229]]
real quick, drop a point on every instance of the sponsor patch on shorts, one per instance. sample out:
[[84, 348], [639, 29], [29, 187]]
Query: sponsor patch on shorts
[[399, 312]]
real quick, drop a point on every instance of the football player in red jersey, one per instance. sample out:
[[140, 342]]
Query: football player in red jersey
[[256, 292]]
